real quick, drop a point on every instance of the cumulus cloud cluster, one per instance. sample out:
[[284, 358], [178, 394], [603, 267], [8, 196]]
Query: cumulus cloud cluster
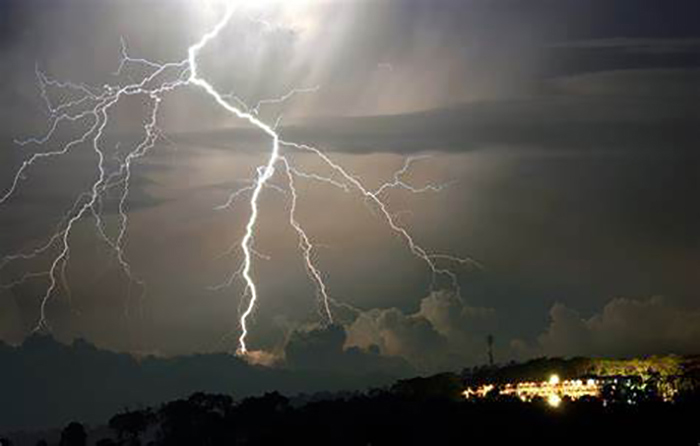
[[324, 349], [625, 327], [445, 332]]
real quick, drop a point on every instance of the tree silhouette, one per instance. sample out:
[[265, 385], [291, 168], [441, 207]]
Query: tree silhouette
[[73, 435], [202, 419], [130, 425]]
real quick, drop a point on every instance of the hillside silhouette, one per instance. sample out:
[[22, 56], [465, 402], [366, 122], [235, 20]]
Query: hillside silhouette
[[414, 412], [45, 383], [101, 398]]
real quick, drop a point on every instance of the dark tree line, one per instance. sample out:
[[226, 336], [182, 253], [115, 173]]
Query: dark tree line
[[401, 415], [418, 411]]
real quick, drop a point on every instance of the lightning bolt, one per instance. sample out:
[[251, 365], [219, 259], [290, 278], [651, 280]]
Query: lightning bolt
[[93, 106]]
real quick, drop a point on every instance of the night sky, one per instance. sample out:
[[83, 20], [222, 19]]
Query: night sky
[[566, 134]]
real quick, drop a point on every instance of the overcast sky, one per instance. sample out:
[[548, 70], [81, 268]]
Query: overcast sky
[[567, 134]]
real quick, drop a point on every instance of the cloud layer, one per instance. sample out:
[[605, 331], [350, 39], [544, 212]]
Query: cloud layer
[[624, 327], [444, 333]]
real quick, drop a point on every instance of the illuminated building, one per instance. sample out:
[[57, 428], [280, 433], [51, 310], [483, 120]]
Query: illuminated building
[[553, 391]]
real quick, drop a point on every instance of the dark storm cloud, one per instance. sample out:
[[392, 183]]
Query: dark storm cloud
[[638, 110], [623, 53], [624, 44], [556, 123]]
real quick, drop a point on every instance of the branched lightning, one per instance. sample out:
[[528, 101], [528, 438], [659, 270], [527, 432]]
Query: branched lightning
[[307, 247], [92, 106], [374, 197]]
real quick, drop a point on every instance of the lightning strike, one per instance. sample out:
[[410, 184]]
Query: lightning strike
[[93, 105]]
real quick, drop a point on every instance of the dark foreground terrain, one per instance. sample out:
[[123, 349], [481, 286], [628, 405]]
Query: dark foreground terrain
[[391, 418], [654, 401]]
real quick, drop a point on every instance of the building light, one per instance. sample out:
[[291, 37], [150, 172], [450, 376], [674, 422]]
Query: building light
[[554, 379], [551, 390]]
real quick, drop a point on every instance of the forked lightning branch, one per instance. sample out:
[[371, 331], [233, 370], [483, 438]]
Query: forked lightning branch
[[92, 107]]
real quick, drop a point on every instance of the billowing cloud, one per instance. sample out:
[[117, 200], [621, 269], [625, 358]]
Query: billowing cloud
[[444, 333], [324, 349], [625, 327]]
